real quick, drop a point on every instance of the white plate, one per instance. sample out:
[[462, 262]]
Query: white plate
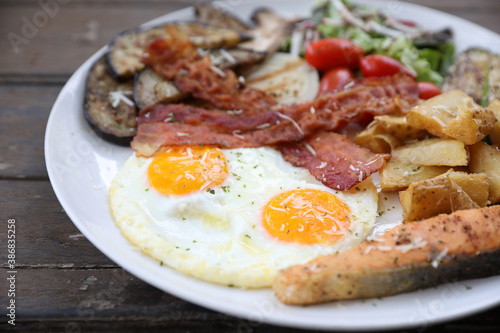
[[81, 167]]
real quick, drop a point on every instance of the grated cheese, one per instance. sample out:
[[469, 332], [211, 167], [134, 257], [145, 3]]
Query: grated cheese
[[218, 71], [416, 244], [120, 96], [439, 121], [228, 56], [266, 125], [292, 121], [237, 133], [435, 263], [310, 149], [322, 165]]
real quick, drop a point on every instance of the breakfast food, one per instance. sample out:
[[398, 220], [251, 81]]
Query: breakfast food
[[235, 217], [240, 171], [462, 245], [108, 106], [453, 114]]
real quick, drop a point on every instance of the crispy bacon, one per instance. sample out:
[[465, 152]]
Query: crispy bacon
[[279, 124], [333, 159], [179, 124], [175, 51], [177, 60]]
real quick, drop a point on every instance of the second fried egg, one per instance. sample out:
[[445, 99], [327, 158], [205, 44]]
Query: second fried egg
[[235, 217]]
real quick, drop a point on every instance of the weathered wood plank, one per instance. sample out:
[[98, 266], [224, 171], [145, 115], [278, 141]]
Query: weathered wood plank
[[112, 300], [62, 42], [45, 236], [87, 299], [23, 117], [79, 28]]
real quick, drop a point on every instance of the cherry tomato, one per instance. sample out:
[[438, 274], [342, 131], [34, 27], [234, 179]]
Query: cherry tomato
[[427, 90], [328, 53], [335, 78], [378, 65]]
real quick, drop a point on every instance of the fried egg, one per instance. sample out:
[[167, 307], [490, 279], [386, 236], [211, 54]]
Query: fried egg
[[237, 216]]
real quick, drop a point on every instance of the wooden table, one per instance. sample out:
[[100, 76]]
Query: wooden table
[[63, 282]]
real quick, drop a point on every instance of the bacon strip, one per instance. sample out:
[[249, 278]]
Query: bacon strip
[[334, 160], [177, 60], [178, 124], [280, 124]]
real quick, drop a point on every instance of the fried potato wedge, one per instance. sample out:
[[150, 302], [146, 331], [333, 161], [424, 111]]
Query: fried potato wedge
[[495, 132], [388, 132], [433, 152], [374, 138], [428, 198], [476, 185], [397, 175], [486, 159], [455, 115], [399, 128], [446, 193]]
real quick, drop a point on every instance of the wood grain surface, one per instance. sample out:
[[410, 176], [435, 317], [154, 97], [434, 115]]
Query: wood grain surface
[[64, 284]]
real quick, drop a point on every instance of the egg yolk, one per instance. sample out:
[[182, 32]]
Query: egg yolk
[[306, 216], [183, 170]]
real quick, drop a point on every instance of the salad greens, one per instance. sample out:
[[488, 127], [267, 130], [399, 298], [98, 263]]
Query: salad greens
[[428, 54]]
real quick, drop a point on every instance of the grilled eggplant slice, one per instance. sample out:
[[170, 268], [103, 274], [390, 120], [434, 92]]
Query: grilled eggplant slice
[[235, 58], [125, 50], [108, 105], [476, 72], [151, 88], [218, 17]]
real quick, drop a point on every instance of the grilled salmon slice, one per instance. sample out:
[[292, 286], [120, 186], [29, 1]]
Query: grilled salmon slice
[[444, 248]]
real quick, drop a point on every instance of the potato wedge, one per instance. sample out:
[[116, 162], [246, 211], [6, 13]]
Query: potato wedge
[[476, 185], [495, 132], [455, 115], [397, 175], [431, 197], [486, 159], [399, 128], [433, 152], [374, 138], [388, 132]]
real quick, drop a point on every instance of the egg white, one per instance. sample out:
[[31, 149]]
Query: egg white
[[217, 234]]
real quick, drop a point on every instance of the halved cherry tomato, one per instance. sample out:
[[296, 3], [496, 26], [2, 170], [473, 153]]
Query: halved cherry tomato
[[378, 65], [328, 53], [335, 78], [428, 90]]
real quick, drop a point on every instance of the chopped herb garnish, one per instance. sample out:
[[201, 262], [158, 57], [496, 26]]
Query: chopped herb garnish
[[172, 117]]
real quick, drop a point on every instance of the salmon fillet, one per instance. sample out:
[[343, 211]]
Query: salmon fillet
[[444, 248]]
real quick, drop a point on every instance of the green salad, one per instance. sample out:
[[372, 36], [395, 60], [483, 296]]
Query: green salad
[[427, 54]]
